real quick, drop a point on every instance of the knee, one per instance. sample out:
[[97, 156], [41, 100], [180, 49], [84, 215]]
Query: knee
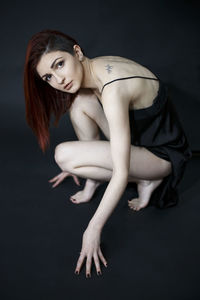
[[62, 153], [167, 168]]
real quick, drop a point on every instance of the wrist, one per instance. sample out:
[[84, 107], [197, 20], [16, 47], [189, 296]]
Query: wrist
[[95, 226]]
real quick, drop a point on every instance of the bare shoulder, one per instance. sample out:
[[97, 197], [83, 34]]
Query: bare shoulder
[[109, 70]]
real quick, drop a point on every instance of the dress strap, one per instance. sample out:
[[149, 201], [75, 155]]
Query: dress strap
[[127, 78]]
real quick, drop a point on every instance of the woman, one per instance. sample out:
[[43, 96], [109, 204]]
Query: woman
[[146, 142]]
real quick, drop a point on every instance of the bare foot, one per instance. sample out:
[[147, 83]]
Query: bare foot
[[86, 194], [145, 189]]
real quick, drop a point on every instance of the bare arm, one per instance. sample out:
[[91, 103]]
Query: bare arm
[[116, 109], [117, 113]]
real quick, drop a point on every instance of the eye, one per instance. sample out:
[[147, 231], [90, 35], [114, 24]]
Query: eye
[[46, 78], [60, 63]]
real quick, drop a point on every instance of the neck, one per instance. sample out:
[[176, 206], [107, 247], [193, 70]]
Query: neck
[[89, 79]]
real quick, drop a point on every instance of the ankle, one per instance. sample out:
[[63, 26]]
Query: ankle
[[144, 182], [92, 183]]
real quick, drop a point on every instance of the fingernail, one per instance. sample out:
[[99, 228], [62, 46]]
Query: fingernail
[[76, 272]]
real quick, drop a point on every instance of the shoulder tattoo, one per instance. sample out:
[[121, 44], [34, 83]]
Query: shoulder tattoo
[[109, 68]]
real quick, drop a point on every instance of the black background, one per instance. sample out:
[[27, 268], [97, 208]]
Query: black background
[[151, 254]]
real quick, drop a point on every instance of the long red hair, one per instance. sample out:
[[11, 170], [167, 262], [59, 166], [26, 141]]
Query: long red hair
[[41, 100]]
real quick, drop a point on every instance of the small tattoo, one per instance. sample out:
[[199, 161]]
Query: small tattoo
[[109, 68]]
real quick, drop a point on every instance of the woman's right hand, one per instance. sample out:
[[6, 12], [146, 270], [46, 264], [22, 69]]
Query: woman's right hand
[[60, 177]]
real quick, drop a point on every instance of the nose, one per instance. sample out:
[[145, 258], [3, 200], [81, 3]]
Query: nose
[[59, 79]]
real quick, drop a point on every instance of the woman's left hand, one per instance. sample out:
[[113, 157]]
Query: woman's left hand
[[90, 249]]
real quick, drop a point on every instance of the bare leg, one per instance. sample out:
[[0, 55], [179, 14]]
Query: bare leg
[[145, 189], [87, 117], [92, 159], [87, 193]]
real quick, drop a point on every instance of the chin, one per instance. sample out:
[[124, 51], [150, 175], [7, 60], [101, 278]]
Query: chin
[[75, 88], [72, 90]]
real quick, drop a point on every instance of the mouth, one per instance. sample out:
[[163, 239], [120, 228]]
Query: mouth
[[68, 86]]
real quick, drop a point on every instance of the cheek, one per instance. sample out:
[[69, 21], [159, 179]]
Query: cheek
[[67, 71], [74, 70], [53, 82]]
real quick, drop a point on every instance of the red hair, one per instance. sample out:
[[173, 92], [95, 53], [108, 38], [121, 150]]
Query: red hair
[[41, 100]]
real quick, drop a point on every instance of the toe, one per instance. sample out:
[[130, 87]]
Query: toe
[[73, 200]]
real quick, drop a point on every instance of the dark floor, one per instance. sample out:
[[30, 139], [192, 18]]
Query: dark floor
[[151, 254]]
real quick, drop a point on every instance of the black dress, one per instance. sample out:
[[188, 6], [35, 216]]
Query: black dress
[[159, 129]]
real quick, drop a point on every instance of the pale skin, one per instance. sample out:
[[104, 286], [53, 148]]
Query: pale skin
[[114, 160]]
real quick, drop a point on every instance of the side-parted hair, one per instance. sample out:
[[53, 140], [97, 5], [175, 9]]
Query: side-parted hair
[[41, 100]]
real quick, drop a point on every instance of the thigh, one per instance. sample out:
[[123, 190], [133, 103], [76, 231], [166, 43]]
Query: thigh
[[143, 163], [146, 164]]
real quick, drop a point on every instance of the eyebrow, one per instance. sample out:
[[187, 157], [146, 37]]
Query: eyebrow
[[52, 65]]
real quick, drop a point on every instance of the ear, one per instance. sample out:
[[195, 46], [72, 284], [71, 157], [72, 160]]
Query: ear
[[78, 52]]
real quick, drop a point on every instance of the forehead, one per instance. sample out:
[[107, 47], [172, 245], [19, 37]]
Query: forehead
[[46, 60]]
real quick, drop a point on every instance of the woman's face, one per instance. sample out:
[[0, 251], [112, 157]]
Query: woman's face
[[59, 68]]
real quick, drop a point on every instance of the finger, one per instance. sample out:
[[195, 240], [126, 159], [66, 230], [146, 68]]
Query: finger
[[53, 179], [76, 179], [102, 257], [60, 175], [57, 183], [80, 262], [97, 264], [65, 174], [60, 178], [88, 265]]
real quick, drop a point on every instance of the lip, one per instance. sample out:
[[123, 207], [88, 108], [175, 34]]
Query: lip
[[68, 86]]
